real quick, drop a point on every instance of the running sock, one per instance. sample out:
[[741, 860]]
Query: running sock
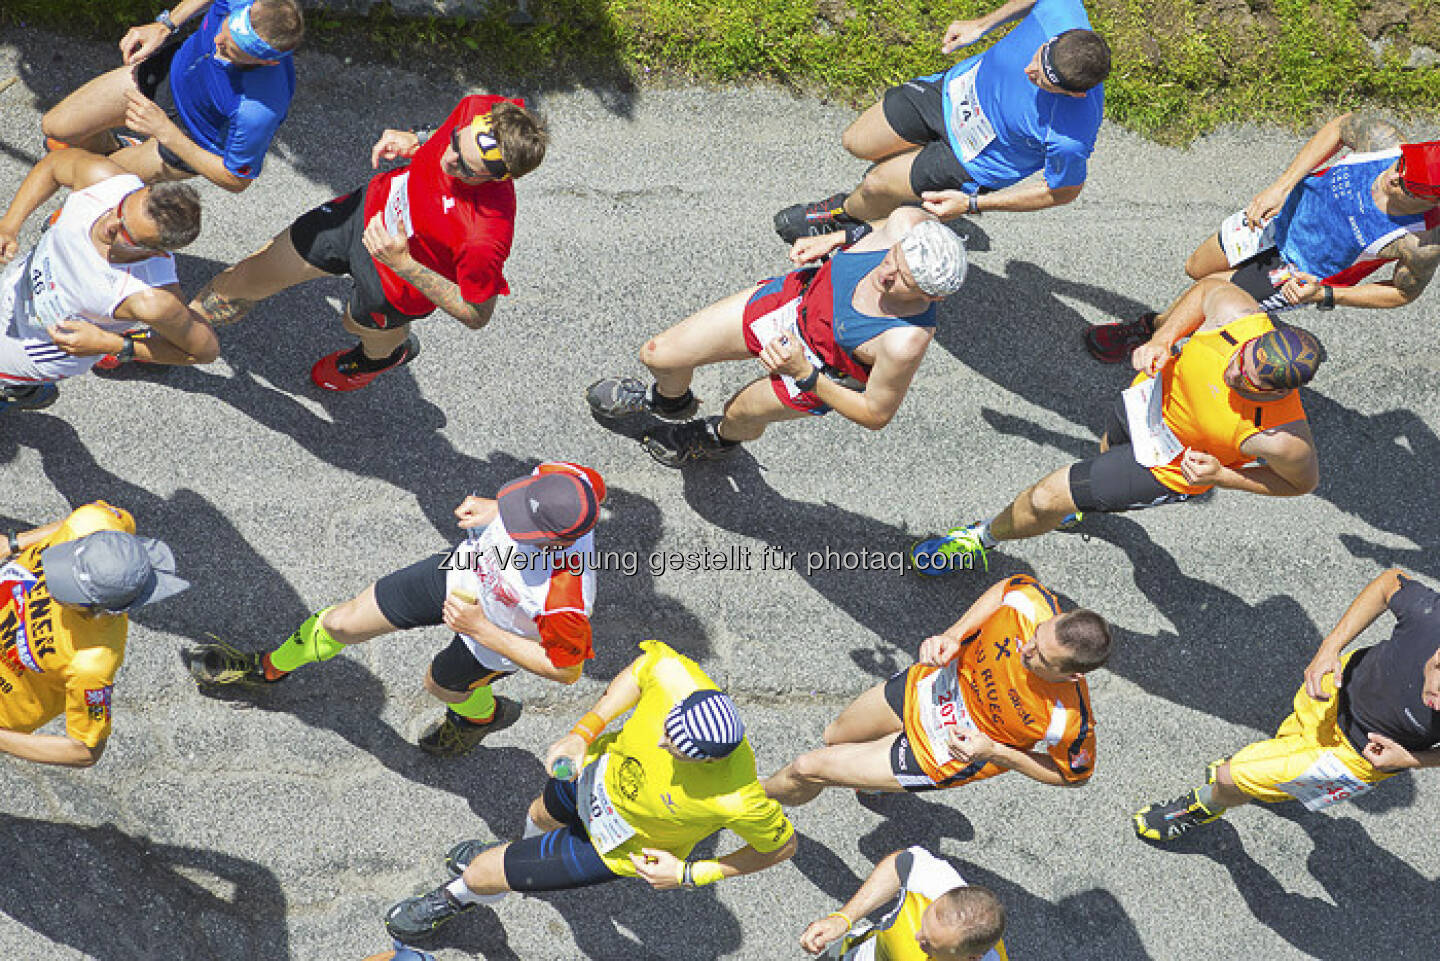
[[366, 364], [987, 539], [670, 405], [714, 425], [532, 830], [461, 892], [478, 708], [310, 643]]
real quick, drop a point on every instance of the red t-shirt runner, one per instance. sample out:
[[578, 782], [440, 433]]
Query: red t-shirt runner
[[461, 231]]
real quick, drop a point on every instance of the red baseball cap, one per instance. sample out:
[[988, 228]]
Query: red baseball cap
[[1419, 168], [557, 504]]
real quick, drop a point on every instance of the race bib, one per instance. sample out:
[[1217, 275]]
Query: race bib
[[1241, 241], [785, 321], [1326, 782], [942, 710], [1151, 441], [40, 303], [607, 829], [971, 129], [395, 215]]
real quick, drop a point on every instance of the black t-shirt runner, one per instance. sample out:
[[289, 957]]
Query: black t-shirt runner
[[1382, 685]]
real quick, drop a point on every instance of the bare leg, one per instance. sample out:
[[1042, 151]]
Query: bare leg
[[864, 766], [357, 620], [1037, 510], [749, 412], [886, 186], [143, 160], [377, 344], [871, 138], [1209, 258], [486, 873], [868, 718], [708, 336], [84, 118], [444, 693], [540, 815], [1224, 792], [231, 293]]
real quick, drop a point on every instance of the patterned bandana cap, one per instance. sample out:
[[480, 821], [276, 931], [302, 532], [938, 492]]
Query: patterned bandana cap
[[1287, 357], [705, 726], [245, 37], [482, 128], [936, 257]]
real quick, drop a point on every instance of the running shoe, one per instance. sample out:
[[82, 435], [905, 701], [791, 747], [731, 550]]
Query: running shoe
[[220, 664], [617, 397], [955, 550], [460, 856], [1112, 343], [399, 951], [454, 735], [811, 220], [418, 917], [29, 397], [1071, 521], [342, 369], [675, 444], [1166, 822]]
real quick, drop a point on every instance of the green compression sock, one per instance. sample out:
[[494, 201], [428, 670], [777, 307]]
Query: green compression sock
[[310, 643], [479, 706]]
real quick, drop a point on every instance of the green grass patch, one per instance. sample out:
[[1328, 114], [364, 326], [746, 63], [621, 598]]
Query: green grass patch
[[1182, 67]]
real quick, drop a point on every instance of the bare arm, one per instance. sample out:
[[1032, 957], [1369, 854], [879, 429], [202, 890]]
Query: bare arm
[[183, 338], [962, 33], [662, 869], [940, 649], [57, 749], [1417, 257], [529, 653], [71, 168], [1368, 605], [393, 250], [139, 42], [27, 538], [949, 204], [895, 367], [1291, 467], [1037, 767], [145, 117]]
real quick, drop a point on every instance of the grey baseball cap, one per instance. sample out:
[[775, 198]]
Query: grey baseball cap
[[111, 570]]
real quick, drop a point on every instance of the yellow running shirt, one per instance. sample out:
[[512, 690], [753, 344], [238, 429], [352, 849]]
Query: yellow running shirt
[[60, 659], [923, 878], [672, 804]]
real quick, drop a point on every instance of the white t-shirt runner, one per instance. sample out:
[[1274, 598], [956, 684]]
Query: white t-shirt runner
[[65, 277]]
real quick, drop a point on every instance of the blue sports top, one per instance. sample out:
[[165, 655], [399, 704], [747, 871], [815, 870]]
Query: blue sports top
[[1003, 127], [851, 327], [1330, 221], [228, 109]]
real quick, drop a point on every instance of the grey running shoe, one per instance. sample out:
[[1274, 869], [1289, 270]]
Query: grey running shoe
[[460, 856], [416, 918], [455, 735], [615, 397], [675, 444]]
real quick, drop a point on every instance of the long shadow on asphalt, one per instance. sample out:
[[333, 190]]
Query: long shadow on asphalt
[[1353, 870], [114, 897]]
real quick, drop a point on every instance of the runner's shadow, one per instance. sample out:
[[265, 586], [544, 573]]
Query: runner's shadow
[[115, 897]]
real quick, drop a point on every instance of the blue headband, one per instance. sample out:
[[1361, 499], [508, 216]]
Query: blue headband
[[245, 37]]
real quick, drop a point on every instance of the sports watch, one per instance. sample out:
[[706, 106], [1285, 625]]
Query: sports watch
[[126, 353], [1327, 298], [809, 381], [167, 22]]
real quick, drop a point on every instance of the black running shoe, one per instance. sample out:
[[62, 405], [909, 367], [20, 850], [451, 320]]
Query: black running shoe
[[615, 397], [220, 664], [811, 220], [1166, 822], [29, 397], [455, 735], [416, 918], [460, 856], [675, 444]]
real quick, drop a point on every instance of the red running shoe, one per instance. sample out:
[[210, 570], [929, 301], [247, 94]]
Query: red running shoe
[[342, 369], [108, 362], [1112, 343]]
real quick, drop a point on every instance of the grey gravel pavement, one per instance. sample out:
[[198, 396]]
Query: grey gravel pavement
[[283, 824]]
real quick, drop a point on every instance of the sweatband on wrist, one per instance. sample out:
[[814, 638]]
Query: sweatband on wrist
[[702, 873], [843, 917], [589, 727]]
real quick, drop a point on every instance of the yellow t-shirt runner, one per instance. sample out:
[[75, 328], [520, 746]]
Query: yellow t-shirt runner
[[670, 804], [58, 659]]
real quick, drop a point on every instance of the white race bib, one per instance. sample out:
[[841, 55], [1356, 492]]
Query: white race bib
[[607, 829], [942, 710], [785, 321], [971, 128], [1151, 441], [395, 215], [1241, 241], [1326, 782]]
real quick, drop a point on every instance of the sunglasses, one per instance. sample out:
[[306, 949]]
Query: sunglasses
[[495, 168], [125, 233], [1427, 192]]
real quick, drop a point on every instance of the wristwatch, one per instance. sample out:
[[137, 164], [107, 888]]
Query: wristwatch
[[973, 206], [1327, 298], [14, 543], [169, 24], [126, 353], [809, 381]]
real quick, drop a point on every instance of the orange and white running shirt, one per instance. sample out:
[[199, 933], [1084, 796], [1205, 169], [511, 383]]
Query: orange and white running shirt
[[988, 687]]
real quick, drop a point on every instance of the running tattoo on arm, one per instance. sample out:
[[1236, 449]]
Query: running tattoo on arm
[[1364, 132], [443, 293], [219, 310], [1418, 258]]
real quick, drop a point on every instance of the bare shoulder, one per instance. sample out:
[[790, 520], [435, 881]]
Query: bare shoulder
[[1364, 131], [906, 344], [1290, 442]]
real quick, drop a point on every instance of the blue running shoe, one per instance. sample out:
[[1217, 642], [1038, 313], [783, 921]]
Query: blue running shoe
[[955, 550], [29, 397]]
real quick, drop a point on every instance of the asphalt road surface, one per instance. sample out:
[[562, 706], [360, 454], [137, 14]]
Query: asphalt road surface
[[283, 824]]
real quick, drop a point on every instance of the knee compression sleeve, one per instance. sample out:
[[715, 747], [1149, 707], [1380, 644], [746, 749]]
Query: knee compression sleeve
[[310, 643]]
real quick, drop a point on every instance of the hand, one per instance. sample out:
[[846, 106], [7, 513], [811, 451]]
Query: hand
[[1315, 672], [938, 650], [144, 115], [9, 246], [80, 338], [807, 250], [969, 745], [784, 356], [1198, 467], [660, 869], [392, 250], [394, 145], [1266, 204], [476, 512], [462, 617], [570, 746], [1385, 755], [1151, 358], [821, 933], [1303, 289], [961, 33], [140, 42], [945, 204]]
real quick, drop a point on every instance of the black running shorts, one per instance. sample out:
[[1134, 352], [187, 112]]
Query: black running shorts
[[1114, 481], [414, 596], [331, 237], [456, 669], [903, 762], [915, 111], [152, 76], [1257, 276], [562, 859]]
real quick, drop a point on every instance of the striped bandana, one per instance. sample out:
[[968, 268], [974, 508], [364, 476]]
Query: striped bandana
[[705, 726]]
